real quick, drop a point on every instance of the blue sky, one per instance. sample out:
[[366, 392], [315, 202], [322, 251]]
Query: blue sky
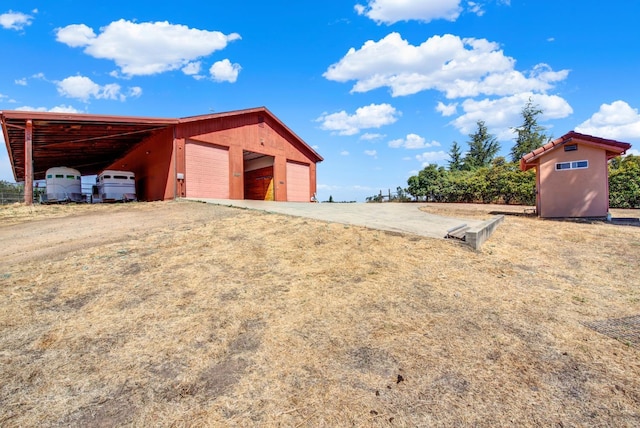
[[380, 88]]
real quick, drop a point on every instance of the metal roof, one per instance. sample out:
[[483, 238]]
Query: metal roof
[[90, 143]]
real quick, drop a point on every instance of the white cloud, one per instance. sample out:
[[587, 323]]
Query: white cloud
[[15, 20], [76, 35], [503, 113], [192, 68], [64, 109], [454, 66], [344, 153], [79, 87], [110, 91], [413, 141], [57, 109], [432, 157], [392, 11], [224, 71], [372, 153], [447, 109], [371, 116], [83, 88], [145, 48], [135, 91], [369, 136], [617, 120], [475, 8], [24, 81]]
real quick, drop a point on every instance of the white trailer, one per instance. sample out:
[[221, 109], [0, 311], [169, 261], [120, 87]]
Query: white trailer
[[115, 186], [63, 185]]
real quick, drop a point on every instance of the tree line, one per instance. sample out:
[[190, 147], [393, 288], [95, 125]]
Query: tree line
[[480, 176], [10, 192]]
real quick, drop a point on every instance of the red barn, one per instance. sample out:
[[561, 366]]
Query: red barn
[[245, 154]]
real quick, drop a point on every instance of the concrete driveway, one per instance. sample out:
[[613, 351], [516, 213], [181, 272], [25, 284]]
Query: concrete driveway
[[394, 217]]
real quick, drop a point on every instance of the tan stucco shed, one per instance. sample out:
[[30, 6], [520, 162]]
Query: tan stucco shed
[[572, 175]]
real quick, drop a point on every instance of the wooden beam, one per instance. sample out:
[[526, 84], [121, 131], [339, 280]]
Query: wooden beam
[[28, 163]]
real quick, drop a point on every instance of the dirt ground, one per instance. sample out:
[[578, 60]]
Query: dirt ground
[[187, 314], [54, 231]]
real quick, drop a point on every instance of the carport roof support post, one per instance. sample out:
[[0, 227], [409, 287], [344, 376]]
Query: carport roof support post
[[28, 163]]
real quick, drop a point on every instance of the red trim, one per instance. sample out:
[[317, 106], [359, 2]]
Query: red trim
[[614, 148]]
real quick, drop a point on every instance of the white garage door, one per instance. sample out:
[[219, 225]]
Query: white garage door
[[207, 171], [298, 183]]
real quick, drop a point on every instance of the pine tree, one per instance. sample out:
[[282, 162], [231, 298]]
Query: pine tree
[[455, 156], [483, 147], [530, 134]]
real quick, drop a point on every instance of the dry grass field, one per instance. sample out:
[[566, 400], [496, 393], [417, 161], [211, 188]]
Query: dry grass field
[[186, 314]]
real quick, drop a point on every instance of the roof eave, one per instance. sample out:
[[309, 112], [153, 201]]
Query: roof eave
[[82, 117], [188, 119], [613, 148], [525, 166]]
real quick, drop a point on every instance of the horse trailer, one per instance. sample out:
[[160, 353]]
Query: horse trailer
[[63, 185], [115, 186]]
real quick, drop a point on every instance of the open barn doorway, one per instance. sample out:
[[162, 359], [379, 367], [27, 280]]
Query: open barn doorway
[[258, 176]]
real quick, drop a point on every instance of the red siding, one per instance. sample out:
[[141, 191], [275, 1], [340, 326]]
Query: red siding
[[248, 132], [153, 163], [159, 161]]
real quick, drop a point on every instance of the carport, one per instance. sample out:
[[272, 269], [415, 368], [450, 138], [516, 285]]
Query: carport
[[37, 141]]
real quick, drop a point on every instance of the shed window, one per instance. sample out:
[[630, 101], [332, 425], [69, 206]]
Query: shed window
[[49, 176], [71, 177], [59, 175], [582, 164], [570, 147]]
